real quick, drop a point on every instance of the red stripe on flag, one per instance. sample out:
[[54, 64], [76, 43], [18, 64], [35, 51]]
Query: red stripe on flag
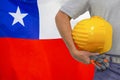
[[40, 60]]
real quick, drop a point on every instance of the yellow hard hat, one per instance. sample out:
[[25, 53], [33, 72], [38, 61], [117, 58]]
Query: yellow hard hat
[[93, 35]]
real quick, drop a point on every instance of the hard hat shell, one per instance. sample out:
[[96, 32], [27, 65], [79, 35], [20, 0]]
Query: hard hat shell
[[93, 34]]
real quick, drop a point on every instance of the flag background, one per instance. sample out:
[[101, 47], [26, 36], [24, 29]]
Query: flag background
[[46, 58]]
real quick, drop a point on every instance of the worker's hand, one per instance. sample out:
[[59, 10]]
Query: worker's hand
[[82, 56]]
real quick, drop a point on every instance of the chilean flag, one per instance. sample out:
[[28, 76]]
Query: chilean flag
[[30, 45]]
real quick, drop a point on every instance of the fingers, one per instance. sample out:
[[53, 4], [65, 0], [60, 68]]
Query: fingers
[[87, 55], [83, 58], [93, 54], [85, 61]]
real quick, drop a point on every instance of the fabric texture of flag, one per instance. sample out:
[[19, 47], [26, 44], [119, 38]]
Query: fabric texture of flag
[[24, 55]]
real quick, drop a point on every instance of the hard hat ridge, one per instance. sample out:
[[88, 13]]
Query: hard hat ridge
[[93, 34]]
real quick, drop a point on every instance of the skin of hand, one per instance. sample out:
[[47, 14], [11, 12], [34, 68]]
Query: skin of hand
[[64, 27]]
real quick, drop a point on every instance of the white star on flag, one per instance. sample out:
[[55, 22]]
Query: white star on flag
[[18, 16]]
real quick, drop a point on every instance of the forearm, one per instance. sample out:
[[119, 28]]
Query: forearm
[[64, 27]]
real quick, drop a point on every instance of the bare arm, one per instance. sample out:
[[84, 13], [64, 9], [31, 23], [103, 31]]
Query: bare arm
[[64, 27]]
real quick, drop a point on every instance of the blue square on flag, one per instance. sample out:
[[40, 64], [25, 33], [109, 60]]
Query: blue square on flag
[[19, 19]]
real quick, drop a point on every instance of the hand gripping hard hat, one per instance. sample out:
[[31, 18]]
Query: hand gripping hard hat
[[93, 35]]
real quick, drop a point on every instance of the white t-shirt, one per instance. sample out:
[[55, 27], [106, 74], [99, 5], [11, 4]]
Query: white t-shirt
[[108, 9]]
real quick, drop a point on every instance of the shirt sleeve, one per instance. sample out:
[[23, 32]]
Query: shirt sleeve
[[75, 8]]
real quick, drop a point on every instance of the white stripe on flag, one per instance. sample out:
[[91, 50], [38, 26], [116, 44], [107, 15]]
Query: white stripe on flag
[[48, 10]]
